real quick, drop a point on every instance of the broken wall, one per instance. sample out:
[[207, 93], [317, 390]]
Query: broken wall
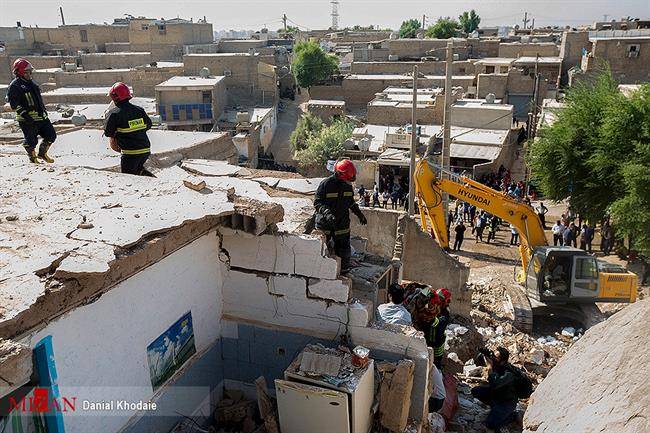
[[424, 261], [129, 318]]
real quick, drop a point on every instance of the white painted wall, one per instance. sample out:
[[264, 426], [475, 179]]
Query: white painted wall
[[102, 346]]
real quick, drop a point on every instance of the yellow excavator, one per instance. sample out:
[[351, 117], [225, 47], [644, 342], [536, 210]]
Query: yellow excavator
[[550, 275]]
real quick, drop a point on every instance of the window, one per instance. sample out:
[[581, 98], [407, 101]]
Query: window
[[489, 69], [84, 35], [162, 29], [207, 97], [586, 268], [633, 50]]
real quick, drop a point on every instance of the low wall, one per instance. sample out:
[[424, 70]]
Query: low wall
[[402, 114], [114, 60], [429, 68], [98, 78], [380, 231]]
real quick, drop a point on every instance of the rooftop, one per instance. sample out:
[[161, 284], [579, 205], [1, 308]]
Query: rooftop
[[388, 77], [326, 102], [481, 104], [89, 147], [221, 55], [79, 91], [70, 233], [503, 61], [528, 60], [181, 81]]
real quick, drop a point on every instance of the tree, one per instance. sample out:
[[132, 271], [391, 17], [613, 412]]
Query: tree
[[326, 144], [409, 29], [308, 126], [444, 28], [597, 155], [469, 21], [312, 65]]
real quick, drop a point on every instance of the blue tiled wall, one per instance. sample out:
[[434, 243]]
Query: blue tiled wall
[[262, 352]]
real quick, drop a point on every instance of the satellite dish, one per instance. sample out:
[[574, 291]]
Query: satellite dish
[[204, 73]]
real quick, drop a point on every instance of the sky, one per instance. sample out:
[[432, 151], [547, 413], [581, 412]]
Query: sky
[[315, 14]]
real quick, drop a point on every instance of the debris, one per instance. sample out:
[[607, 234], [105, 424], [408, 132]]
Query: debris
[[568, 331], [436, 423], [266, 406], [472, 370], [85, 226], [11, 217], [457, 329], [453, 356], [537, 356], [318, 363], [395, 395], [196, 186]]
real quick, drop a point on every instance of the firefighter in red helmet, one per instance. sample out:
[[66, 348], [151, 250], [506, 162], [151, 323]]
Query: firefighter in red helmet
[[126, 127], [24, 96], [334, 201]]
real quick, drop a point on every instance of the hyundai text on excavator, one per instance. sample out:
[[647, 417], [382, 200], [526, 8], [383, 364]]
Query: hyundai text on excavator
[[551, 276]]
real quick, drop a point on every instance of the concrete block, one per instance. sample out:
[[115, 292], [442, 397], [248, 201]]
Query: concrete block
[[360, 313], [284, 254], [294, 287], [336, 290]]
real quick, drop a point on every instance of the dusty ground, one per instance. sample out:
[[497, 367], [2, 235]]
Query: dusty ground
[[493, 268]]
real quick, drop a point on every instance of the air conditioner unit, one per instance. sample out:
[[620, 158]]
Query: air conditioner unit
[[227, 73]]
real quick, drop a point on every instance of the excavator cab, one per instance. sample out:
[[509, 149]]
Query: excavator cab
[[562, 274]]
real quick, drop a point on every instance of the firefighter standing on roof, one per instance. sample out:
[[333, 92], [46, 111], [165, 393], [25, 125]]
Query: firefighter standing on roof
[[334, 201], [24, 96], [127, 127]]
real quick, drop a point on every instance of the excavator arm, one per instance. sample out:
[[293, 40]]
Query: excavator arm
[[429, 189]]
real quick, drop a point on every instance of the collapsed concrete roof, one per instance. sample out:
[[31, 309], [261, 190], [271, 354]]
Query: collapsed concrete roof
[[64, 230], [89, 148]]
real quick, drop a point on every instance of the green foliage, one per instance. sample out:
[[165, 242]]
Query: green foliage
[[444, 28], [597, 154], [469, 21], [308, 126], [409, 29], [312, 65], [326, 144]]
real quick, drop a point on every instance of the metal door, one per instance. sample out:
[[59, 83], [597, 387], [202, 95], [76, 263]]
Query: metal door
[[532, 274], [585, 283]]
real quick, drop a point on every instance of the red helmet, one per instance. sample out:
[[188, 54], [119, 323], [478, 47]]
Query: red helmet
[[20, 66], [445, 295], [345, 170], [120, 92]]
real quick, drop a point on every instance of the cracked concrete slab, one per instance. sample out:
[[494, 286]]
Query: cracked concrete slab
[[74, 223], [300, 186], [211, 168], [89, 148]]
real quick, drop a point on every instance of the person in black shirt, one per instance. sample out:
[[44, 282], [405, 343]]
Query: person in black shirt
[[24, 96], [126, 127], [500, 393], [333, 203]]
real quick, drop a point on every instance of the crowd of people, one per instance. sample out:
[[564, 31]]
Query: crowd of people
[[391, 193]]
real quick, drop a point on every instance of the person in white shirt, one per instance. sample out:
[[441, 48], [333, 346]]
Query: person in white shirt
[[394, 311], [557, 230]]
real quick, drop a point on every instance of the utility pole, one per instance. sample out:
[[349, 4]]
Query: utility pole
[[414, 143], [424, 20], [62, 17], [284, 20], [525, 20], [446, 137], [605, 17]]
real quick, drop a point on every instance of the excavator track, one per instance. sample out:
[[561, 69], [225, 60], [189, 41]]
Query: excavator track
[[522, 311]]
